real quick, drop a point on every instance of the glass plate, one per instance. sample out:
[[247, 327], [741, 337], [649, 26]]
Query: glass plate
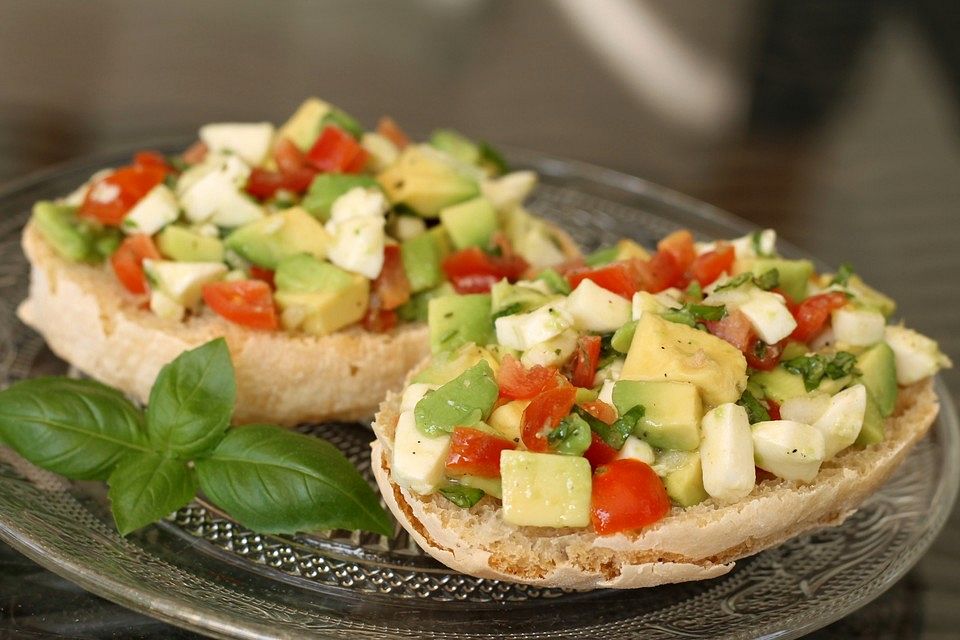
[[201, 571]]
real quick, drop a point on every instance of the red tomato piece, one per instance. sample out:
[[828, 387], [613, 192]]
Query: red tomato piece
[[476, 453], [379, 320], [336, 151], [150, 159], [544, 413], [679, 244], [627, 494], [196, 153], [127, 261], [260, 273], [288, 156], [248, 303], [773, 409], [617, 277], [600, 410], [519, 383], [392, 132], [473, 271], [712, 264], [812, 314], [392, 285], [734, 327], [659, 272], [264, 184], [110, 198], [585, 360], [599, 453], [763, 356]]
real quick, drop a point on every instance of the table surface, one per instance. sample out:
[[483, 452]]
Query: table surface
[[835, 122]]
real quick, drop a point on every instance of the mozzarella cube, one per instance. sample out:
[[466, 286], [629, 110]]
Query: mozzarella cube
[[418, 460], [153, 212], [414, 394], [787, 449], [359, 202], [806, 409], [235, 210], [744, 246], [407, 227], [840, 424], [645, 302], [551, 353], [358, 246], [637, 449], [606, 392], [916, 356], [593, 308], [769, 316], [233, 168], [609, 373], [182, 281], [857, 327], [509, 190], [726, 453], [382, 152], [250, 141], [521, 331]]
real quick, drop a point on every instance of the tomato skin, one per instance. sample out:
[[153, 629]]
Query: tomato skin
[[627, 494], [391, 285], [392, 132], [473, 271], [127, 261], [150, 159], [260, 273], [599, 453], [110, 198], [679, 244], [812, 314], [195, 153], [516, 382], [660, 272], [476, 453], [773, 409], [379, 320], [763, 356], [585, 360], [544, 413], [295, 173], [735, 328], [712, 264], [600, 410], [248, 303], [337, 151], [617, 277]]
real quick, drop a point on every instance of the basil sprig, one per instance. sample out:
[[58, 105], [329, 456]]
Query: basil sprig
[[267, 478], [814, 368], [694, 315]]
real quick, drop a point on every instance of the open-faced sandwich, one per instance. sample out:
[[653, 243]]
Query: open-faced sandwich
[[313, 248], [653, 419]]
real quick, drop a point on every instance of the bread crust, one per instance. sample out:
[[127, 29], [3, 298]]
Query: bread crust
[[283, 378], [696, 543]]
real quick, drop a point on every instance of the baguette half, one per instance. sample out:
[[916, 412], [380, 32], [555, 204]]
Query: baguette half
[[696, 543], [283, 378]]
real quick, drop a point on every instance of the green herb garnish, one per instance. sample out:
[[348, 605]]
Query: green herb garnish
[[571, 437], [757, 244], [614, 434], [813, 368], [766, 281], [756, 412], [463, 497], [694, 291], [694, 315], [843, 274]]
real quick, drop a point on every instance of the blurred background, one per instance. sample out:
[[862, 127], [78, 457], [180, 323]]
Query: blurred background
[[837, 122]]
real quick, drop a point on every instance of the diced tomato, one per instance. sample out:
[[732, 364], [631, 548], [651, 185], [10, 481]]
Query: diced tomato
[[599, 453], [392, 132], [288, 156], [763, 474], [248, 303], [763, 356], [110, 198], [617, 277], [773, 409], [712, 264], [336, 151], [295, 173], [658, 273], [812, 314], [679, 244], [734, 327], [627, 494], [600, 410], [128, 259], [196, 153], [544, 413], [379, 320], [264, 184], [585, 360], [260, 273], [473, 271], [150, 159], [519, 383], [476, 453], [392, 285]]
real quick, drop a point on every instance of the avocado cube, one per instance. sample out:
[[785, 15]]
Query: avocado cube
[[457, 320], [873, 428], [685, 483], [269, 240], [60, 227], [511, 298], [878, 370], [447, 365], [323, 312], [672, 411], [545, 490], [327, 187], [794, 274], [305, 274], [457, 145], [663, 350], [183, 245], [779, 385], [421, 262], [427, 181], [304, 125], [470, 223]]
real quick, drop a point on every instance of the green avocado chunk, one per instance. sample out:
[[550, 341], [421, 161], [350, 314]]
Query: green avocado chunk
[[456, 320], [318, 298], [266, 242], [879, 376], [457, 145], [303, 273], [506, 298], [421, 261], [873, 429], [684, 484], [427, 181], [672, 411], [183, 245], [465, 400], [68, 235], [470, 223], [794, 274], [327, 187]]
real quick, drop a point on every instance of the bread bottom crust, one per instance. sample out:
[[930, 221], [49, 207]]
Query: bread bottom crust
[[696, 543], [283, 378]]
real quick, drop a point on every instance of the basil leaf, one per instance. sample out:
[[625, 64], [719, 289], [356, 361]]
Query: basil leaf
[[571, 437], [768, 279], [694, 291], [491, 157], [842, 364], [694, 314], [756, 412], [463, 497], [465, 400], [192, 401], [77, 428], [277, 481], [614, 434], [757, 244], [735, 282], [843, 274], [813, 368], [148, 486]]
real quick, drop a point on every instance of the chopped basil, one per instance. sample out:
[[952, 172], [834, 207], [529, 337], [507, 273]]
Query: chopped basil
[[766, 281], [614, 434], [463, 497], [491, 157], [756, 241], [813, 368], [178, 163], [694, 291], [843, 274], [694, 315], [735, 282], [756, 412], [601, 257], [571, 437], [508, 310]]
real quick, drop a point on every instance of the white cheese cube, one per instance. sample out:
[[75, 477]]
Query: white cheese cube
[[593, 308], [769, 316], [787, 449], [645, 302], [205, 196], [840, 424], [551, 353], [609, 373], [235, 210], [726, 453], [857, 327], [414, 394], [523, 330], [418, 460], [382, 151], [359, 202], [637, 449], [606, 392], [509, 190], [182, 281], [250, 141], [744, 247], [358, 246], [233, 168], [407, 227], [916, 356], [153, 212], [806, 409]]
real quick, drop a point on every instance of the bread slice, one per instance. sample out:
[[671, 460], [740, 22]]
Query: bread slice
[[689, 544], [283, 378]]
